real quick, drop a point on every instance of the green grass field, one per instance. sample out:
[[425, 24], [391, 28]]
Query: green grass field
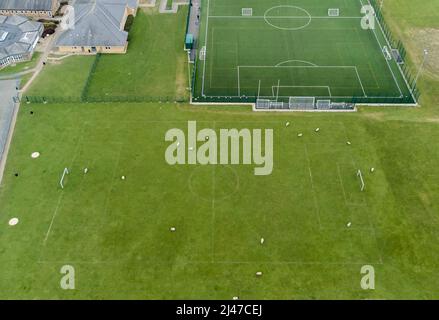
[[72, 70], [155, 57], [293, 48], [115, 232], [20, 67], [141, 72]]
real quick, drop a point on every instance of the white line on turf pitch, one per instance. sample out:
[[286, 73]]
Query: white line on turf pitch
[[379, 44], [361, 83], [326, 87], [205, 44], [281, 17], [309, 66], [239, 84], [294, 60], [399, 67], [316, 204], [62, 193]]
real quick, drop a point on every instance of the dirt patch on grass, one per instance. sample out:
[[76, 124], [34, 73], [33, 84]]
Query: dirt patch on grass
[[181, 77], [426, 39]]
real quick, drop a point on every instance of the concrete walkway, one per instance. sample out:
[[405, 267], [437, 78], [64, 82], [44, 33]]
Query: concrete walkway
[[8, 114], [9, 103], [175, 5], [194, 25], [16, 75], [43, 58]]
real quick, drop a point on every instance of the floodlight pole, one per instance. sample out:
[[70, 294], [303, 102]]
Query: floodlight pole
[[421, 67]]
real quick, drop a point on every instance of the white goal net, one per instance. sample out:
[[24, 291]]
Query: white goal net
[[247, 12], [323, 104], [266, 104], [262, 104], [301, 102], [333, 12]]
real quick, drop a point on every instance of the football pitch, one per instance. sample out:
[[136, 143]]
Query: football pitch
[[193, 231], [319, 228], [277, 49], [116, 232]]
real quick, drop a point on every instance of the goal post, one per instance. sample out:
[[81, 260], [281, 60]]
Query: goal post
[[61, 181], [360, 176], [301, 103]]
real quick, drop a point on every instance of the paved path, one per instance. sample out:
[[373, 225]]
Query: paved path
[[174, 8], [43, 58], [16, 75], [194, 25], [8, 114], [9, 107]]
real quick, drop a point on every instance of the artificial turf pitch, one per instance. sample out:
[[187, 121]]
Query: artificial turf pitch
[[293, 48]]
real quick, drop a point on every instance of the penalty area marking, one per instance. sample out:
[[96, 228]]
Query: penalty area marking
[[273, 88], [309, 66], [301, 61]]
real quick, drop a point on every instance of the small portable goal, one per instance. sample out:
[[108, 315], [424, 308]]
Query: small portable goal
[[334, 12], [386, 53], [247, 12], [203, 53]]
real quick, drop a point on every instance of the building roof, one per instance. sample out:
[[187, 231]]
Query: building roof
[[37, 5], [18, 35], [97, 23]]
